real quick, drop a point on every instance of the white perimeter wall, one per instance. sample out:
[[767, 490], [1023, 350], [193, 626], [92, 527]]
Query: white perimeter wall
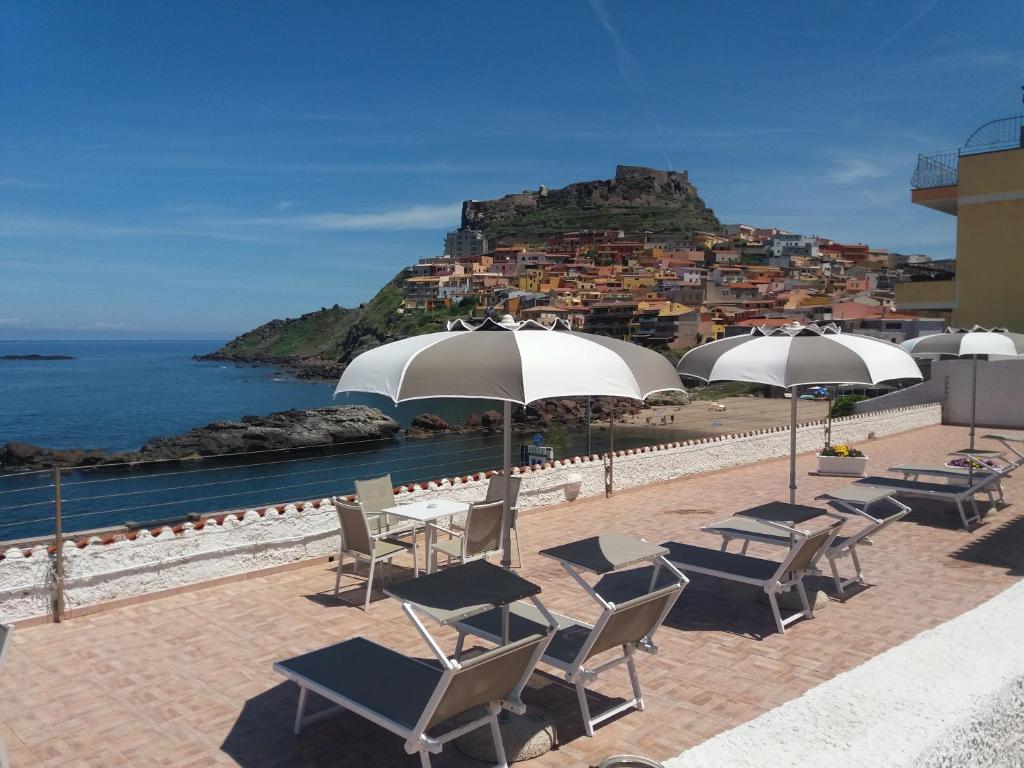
[[119, 566], [1000, 384]]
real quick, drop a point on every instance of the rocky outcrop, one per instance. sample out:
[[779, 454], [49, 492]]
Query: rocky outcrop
[[637, 199], [313, 429], [427, 424]]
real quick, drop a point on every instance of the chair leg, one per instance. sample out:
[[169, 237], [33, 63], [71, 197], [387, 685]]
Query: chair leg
[[337, 576], [856, 563], [424, 758], [415, 559], [297, 729], [581, 694], [499, 745], [369, 584], [835, 572], [774, 603], [808, 611], [634, 678], [459, 645], [519, 554]]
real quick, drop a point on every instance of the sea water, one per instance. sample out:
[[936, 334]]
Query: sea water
[[117, 395]]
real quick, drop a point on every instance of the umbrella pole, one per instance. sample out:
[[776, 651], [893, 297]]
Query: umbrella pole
[[974, 399], [590, 413], [610, 483], [792, 447], [506, 513]]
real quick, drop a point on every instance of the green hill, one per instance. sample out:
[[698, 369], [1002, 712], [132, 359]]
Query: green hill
[[320, 343]]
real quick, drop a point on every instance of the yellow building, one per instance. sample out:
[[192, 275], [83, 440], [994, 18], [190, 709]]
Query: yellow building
[[982, 184]]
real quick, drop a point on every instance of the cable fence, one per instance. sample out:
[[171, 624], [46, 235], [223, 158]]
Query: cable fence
[[150, 492]]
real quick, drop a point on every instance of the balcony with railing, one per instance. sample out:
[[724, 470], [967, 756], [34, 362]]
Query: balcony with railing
[[942, 169]]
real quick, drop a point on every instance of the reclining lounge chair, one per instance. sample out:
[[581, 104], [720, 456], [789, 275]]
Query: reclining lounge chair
[[955, 494], [770, 575], [959, 476], [629, 626], [410, 697]]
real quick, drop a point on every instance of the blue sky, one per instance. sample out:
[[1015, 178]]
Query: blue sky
[[193, 169]]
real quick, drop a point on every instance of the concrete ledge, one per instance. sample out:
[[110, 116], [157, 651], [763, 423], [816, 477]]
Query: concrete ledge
[[952, 696]]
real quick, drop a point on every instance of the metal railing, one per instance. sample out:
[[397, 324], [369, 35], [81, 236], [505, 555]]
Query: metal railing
[[942, 169], [937, 169]]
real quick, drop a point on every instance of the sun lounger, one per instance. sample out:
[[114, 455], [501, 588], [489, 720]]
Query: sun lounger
[[628, 626], [410, 697], [953, 494], [770, 575], [961, 476], [1010, 444]]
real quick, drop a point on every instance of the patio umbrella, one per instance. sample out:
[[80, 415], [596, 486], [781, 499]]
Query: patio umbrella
[[976, 342], [798, 355], [512, 362]]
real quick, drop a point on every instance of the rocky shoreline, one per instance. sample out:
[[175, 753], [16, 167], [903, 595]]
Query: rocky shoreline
[[300, 367], [316, 428], [313, 429]]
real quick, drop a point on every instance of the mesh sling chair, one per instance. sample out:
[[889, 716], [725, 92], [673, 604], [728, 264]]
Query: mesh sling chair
[[374, 496], [413, 698], [496, 492], [628, 626], [479, 538], [361, 543], [770, 575]]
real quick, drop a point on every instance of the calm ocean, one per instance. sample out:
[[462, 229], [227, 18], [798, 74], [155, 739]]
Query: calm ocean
[[117, 395]]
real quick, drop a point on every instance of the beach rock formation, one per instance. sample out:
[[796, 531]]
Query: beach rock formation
[[314, 428]]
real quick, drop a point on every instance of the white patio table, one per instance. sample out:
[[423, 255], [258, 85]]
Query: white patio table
[[428, 512]]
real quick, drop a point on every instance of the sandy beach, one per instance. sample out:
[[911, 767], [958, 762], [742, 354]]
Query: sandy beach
[[741, 414]]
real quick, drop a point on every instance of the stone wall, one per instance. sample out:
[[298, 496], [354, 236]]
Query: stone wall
[[117, 566]]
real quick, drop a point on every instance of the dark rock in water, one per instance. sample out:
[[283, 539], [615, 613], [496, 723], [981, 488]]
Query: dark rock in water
[[429, 422], [25, 456], [314, 428], [37, 357], [491, 420]]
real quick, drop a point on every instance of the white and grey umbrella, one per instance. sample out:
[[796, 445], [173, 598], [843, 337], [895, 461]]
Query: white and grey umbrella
[[512, 362], [799, 355], [976, 342]]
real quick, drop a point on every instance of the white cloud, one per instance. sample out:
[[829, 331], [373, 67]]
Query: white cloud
[[415, 217], [628, 67], [9, 322], [283, 205], [854, 170]]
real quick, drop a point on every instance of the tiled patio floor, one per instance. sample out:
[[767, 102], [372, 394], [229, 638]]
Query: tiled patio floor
[[186, 680]]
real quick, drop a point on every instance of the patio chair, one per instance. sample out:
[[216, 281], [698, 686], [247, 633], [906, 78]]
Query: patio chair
[[496, 492], [6, 630], [628, 626], [480, 538], [954, 494], [805, 549], [374, 496], [357, 540], [412, 698]]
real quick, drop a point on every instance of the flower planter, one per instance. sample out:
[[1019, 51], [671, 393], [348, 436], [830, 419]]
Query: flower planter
[[843, 466]]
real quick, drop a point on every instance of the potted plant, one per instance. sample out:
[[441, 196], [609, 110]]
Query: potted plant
[[844, 460]]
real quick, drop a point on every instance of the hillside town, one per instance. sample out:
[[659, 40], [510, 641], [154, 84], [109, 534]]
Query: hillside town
[[673, 291]]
